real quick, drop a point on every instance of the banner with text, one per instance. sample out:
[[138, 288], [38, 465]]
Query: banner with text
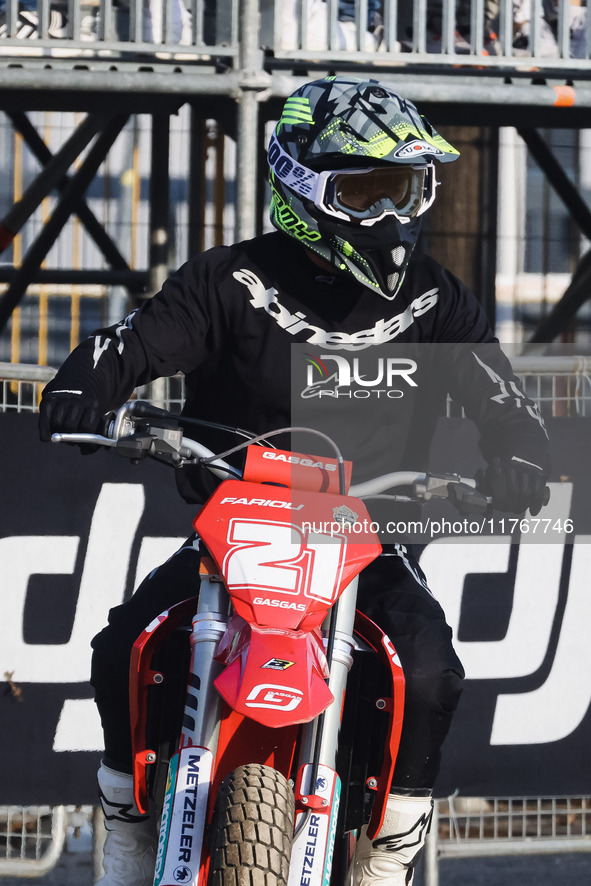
[[78, 533]]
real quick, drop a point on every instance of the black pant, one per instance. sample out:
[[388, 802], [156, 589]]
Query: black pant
[[392, 592]]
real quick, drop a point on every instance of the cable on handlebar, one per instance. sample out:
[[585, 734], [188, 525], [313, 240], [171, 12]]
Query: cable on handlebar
[[143, 409], [146, 410], [396, 498], [325, 437]]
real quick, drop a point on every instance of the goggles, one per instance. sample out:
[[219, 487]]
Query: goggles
[[359, 195]]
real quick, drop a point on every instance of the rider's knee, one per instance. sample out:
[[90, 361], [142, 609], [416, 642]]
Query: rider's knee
[[435, 687], [111, 651]]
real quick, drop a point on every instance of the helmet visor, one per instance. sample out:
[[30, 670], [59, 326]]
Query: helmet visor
[[370, 194]]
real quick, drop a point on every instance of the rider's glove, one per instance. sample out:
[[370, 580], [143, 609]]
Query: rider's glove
[[516, 485], [68, 412]]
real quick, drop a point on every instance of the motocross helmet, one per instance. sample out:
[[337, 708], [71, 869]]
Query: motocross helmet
[[351, 172]]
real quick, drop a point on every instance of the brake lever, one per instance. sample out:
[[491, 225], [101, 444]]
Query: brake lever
[[96, 439]]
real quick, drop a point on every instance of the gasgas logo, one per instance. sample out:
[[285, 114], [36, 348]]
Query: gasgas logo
[[297, 460], [279, 604], [275, 696], [387, 378]]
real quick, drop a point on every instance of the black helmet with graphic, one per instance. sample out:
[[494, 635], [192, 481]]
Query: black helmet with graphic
[[351, 172]]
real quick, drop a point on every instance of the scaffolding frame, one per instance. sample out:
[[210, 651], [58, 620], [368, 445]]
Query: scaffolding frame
[[234, 67]]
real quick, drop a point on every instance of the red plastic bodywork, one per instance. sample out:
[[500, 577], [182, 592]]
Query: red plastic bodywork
[[276, 677], [285, 556], [285, 560], [307, 559], [141, 677], [382, 646]]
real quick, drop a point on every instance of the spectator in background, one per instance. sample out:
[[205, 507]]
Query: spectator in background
[[153, 21], [522, 12], [27, 20], [347, 20], [463, 26], [578, 28], [576, 23], [318, 28]]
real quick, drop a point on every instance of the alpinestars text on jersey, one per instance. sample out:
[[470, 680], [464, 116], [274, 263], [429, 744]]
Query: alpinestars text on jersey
[[382, 332]]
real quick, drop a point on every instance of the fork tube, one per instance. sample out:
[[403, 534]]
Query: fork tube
[[320, 738], [340, 665], [201, 718]]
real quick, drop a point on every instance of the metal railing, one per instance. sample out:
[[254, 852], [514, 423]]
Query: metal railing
[[166, 393], [492, 32], [560, 386], [470, 827], [31, 839], [111, 29], [21, 385]]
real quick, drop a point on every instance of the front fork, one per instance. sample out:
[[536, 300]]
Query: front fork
[[318, 787], [186, 797]]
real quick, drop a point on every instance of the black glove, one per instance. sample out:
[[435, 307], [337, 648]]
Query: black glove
[[516, 485], [69, 412]]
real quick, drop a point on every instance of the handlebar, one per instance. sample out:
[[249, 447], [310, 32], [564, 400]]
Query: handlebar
[[461, 491], [139, 430], [136, 439], [405, 478], [387, 481]]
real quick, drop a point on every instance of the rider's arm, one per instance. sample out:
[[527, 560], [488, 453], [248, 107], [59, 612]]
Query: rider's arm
[[480, 377], [513, 437], [167, 334]]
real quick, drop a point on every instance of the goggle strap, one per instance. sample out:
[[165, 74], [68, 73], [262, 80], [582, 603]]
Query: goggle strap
[[294, 176]]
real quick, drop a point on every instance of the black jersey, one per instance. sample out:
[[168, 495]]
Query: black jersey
[[227, 320]]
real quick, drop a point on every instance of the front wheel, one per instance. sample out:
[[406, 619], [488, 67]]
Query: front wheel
[[253, 822]]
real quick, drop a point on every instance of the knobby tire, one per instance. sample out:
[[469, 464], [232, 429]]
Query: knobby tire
[[252, 829]]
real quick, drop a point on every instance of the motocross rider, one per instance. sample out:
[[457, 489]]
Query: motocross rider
[[351, 170]]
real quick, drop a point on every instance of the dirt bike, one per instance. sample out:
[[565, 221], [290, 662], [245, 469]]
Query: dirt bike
[[281, 736]]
